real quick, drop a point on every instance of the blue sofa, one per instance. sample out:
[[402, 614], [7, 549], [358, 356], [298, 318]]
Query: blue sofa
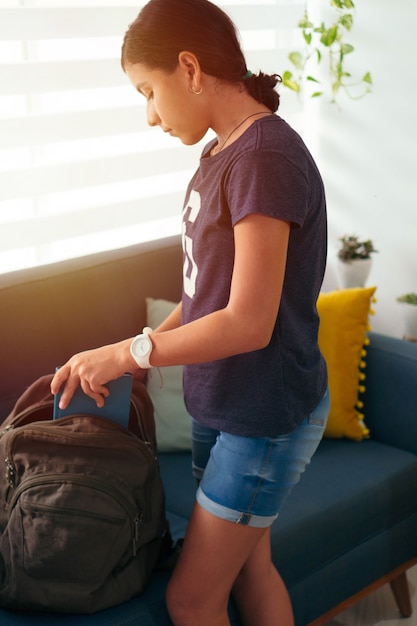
[[349, 526]]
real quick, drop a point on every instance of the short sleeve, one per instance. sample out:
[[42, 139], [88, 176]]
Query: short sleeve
[[267, 182]]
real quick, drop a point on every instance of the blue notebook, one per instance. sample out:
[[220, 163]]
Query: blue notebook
[[116, 405]]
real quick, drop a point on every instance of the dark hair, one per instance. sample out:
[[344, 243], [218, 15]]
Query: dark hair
[[164, 28]]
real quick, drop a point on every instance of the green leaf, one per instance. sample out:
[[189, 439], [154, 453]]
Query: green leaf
[[329, 36], [316, 94], [318, 55], [367, 78], [307, 37], [296, 59], [346, 21], [343, 4], [346, 48], [305, 22], [320, 29], [312, 79], [288, 81]]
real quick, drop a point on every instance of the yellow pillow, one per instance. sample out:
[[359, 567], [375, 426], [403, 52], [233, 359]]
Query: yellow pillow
[[342, 336]]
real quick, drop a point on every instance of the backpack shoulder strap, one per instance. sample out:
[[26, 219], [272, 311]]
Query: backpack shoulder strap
[[37, 396]]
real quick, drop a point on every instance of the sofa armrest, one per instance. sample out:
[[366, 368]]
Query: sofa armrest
[[390, 399]]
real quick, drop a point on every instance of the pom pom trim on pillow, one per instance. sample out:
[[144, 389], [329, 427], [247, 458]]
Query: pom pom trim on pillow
[[344, 322]]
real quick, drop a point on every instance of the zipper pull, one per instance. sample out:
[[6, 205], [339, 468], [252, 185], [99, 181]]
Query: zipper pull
[[6, 430], [136, 527], [151, 449], [10, 473]]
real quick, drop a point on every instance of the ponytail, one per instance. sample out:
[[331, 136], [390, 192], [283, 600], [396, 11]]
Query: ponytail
[[262, 88]]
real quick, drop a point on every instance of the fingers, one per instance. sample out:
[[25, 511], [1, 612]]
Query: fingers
[[66, 384], [59, 378], [68, 390], [96, 391], [91, 370], [67, 380]]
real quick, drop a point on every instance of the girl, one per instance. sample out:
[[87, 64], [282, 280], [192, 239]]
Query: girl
[[254, 244]]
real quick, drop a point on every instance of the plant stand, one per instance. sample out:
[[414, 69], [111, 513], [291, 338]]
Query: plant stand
[[353, 273], [409, 315]]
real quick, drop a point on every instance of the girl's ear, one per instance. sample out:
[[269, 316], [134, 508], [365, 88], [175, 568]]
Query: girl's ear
[[191, 66]]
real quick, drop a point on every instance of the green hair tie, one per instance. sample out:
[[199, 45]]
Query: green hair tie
[[247, 75]]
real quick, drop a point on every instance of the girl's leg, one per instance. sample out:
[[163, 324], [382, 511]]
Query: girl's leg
[[259, 591], [215, 554], [227, 545]]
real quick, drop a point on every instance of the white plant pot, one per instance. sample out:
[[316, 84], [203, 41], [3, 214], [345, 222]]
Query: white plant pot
[[409, 314], [353, 273]]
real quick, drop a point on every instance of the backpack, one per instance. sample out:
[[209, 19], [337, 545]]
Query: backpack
[[82, 507]]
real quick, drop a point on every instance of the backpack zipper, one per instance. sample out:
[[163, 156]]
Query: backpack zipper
[[20, 417], [6, 430], [98, 437], [10, 473], [48, 404], [135, 516]]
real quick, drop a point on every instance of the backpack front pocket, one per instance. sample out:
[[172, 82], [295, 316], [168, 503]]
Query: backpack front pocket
[[56, 541]]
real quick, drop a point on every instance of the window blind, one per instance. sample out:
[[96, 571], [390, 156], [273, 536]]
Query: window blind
[[80, 170]]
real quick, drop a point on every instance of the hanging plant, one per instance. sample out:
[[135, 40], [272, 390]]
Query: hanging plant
[[321, 42]]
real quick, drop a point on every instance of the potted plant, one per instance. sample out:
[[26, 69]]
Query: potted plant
[[355, 261], [408, 303]]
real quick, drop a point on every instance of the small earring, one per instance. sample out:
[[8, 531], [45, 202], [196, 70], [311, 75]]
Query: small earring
[[197, 93]]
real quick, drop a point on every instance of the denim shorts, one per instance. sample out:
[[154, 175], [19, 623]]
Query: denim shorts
[[245, 480]]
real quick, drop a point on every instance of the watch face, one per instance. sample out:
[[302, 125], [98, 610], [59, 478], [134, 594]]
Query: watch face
[[143, 347]]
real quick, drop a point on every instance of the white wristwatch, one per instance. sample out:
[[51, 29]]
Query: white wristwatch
[[141, 348]]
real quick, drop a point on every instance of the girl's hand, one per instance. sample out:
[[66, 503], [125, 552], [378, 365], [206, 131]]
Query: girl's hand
[[92, 370]]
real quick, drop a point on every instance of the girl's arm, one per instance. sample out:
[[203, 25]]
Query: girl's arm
[[247, 322], [244, 325]]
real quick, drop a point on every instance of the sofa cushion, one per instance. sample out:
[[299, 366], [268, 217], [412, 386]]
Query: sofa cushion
[[349, 494], [342, 335], [176, 470], [173, 424]]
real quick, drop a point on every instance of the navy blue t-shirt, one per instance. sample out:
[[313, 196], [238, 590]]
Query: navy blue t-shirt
[[267, 170]]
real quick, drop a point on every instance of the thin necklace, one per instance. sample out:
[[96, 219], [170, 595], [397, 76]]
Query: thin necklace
[[236, 128]]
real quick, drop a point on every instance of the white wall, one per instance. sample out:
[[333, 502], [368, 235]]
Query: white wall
[[366, 151]]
